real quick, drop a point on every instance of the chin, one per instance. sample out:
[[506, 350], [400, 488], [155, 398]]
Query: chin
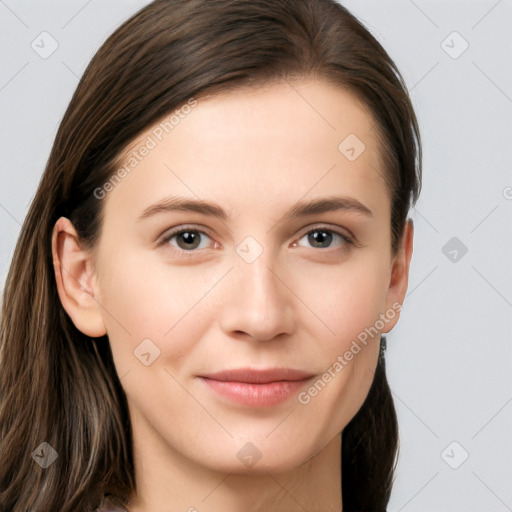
[[259, 457]]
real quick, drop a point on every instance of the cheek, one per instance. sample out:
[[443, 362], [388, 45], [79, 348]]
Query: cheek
[[142, 300], [347, 300]]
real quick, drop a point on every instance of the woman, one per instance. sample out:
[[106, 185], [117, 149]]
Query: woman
[[195, 310]]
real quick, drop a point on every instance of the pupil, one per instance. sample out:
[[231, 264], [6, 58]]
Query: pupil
[[317, 237], [190, 238]]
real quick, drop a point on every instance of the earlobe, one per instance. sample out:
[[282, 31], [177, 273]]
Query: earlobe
[[400, 274], [76, 282]]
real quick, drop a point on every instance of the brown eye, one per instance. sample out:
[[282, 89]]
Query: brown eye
[[323, 238], [187, 239]]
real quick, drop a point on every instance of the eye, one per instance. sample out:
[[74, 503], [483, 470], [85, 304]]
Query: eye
[[186, 239], [322, 238]]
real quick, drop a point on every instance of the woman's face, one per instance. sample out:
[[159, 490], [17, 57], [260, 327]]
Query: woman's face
[[259, 280]]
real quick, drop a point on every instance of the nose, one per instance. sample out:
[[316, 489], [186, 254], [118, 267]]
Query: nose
[[258, 301]]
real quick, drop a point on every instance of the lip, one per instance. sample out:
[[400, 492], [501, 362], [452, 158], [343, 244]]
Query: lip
[[257, 387]]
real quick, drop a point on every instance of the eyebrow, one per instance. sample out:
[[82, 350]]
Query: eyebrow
[[300, 209]]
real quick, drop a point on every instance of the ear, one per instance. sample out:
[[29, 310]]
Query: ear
[[399, 276], [76, 280]]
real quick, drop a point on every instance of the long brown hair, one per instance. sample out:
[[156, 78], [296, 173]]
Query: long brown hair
[[58, 386]]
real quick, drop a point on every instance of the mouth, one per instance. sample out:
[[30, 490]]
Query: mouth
[[257, 388]]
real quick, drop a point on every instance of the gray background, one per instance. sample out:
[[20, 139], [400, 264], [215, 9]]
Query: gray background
[[450, 355]]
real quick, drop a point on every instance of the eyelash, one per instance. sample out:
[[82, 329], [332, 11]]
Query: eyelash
[[191, 253]]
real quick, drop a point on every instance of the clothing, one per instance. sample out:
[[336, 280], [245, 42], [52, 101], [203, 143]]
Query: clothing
[[110, 504]]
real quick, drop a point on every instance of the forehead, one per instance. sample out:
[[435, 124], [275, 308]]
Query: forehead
[[280, 142]]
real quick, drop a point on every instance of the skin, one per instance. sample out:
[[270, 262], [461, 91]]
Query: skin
[[255, 153]]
